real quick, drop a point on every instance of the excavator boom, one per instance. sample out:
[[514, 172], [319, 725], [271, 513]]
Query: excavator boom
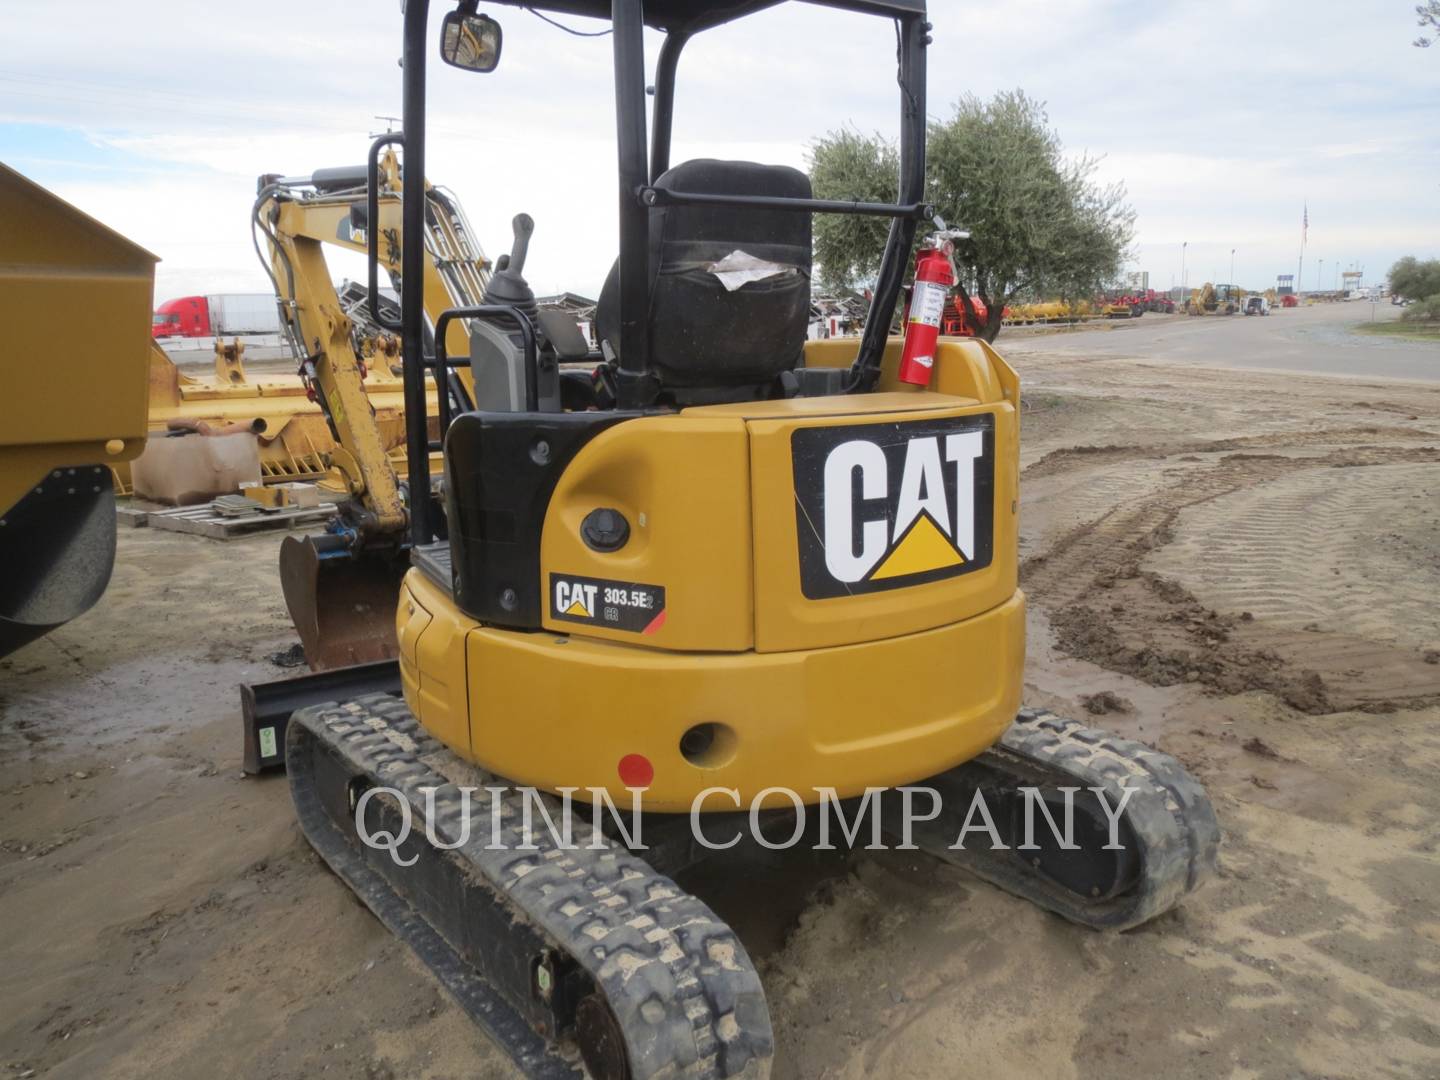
[[340, 587]]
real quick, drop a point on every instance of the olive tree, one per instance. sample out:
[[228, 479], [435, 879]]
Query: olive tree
[[1427, 16], [1418, 282], [1040, 224]]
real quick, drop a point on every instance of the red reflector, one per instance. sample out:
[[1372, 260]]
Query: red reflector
[[636, 771]]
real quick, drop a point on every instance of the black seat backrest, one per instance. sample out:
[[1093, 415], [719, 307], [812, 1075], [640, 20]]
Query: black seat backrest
[[703, 336]]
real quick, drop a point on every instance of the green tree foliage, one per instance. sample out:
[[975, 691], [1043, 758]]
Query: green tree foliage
[[1415, 280], [848, 165], [1418, 282], [1040, 226]]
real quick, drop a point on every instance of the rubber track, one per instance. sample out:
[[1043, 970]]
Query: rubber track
[[1169, 815], [677, 979]]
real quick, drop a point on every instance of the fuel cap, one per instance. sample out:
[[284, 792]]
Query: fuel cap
[[605, 530]]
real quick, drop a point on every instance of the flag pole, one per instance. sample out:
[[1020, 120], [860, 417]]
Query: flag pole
[[1304, 231]]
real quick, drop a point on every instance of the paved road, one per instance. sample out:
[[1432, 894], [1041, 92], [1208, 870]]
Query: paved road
[[1316, 340]]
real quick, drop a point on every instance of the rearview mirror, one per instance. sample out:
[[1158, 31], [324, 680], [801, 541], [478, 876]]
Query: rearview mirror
[[470, 41]]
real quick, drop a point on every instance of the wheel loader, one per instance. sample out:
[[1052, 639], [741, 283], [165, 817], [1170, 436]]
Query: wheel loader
[[75, 297], [710, 565], [1215, 300]]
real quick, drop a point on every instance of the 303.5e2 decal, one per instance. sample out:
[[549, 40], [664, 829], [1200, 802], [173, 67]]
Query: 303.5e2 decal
[[884, 506], [617, 605]]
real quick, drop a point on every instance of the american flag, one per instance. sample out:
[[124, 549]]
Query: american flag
[[1305, 225]]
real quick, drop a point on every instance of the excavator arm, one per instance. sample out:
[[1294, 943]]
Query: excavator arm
[[333, 371], [340, 587]]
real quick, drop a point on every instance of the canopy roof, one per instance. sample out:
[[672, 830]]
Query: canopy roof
[[697, 14]]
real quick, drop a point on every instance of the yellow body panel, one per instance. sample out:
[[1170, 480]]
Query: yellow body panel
[[75, 301], [847, 692], [785, 619], [557, 711], [683, 483], [432, 636]]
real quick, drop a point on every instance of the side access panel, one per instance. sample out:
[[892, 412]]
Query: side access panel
[[871, 526], [682, 579]]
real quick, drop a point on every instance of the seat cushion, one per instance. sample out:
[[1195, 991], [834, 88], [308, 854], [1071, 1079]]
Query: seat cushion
[[702, 334]]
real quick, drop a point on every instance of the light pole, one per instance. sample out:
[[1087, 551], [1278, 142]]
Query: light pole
[[1183, 246], [1320, 276], [1232, 268]]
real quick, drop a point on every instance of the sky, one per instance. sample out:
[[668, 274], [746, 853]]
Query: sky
[[1224, 120]]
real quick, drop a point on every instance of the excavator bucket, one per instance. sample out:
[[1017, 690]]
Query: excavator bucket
[[72, 402], [342, 604]]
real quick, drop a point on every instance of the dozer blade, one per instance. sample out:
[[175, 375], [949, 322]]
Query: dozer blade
[[1167, 833], [57, 548], [576, 960], [342, 605]]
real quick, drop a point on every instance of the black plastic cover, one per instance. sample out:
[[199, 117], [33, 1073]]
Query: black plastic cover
[[501, 469], [703, 335]]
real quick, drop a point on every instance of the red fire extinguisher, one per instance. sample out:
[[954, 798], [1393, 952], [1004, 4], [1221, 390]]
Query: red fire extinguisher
[[934, 278]]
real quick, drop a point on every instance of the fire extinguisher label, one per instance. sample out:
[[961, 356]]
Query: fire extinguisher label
[[928, 303]]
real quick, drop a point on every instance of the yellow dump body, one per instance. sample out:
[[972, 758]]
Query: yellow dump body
[[75, 301]]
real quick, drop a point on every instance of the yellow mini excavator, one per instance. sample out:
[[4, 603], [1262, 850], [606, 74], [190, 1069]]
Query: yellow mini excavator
[[340, 587], [298, 218], [711, 558], [75, 298]]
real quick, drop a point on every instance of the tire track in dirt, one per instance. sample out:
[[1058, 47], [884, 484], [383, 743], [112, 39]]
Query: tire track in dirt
[[1359, 438], [1320, 547], [1105, 608]]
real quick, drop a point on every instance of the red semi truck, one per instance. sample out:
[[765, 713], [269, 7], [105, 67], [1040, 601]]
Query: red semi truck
[[223, 314]]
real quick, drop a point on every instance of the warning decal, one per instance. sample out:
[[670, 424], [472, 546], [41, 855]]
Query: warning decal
[[619, 605]]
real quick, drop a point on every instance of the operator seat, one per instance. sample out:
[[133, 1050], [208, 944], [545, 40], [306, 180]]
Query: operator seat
[[709, 343]]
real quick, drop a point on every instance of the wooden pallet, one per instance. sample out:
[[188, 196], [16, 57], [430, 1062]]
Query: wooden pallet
[[133, 516], [204, 521]]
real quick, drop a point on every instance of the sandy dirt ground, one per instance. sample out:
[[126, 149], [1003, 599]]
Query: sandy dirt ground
[[1240, 567]]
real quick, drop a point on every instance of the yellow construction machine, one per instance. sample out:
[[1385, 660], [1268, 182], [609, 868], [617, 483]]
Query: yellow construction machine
[[75, 298], [298, 218], [1215, 300], [340, 587], [710, 566]]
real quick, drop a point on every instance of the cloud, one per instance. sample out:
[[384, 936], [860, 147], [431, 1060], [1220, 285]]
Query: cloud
[[1220, 125]]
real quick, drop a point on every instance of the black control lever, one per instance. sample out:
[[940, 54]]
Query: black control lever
[[507, 284], [524, 225]]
